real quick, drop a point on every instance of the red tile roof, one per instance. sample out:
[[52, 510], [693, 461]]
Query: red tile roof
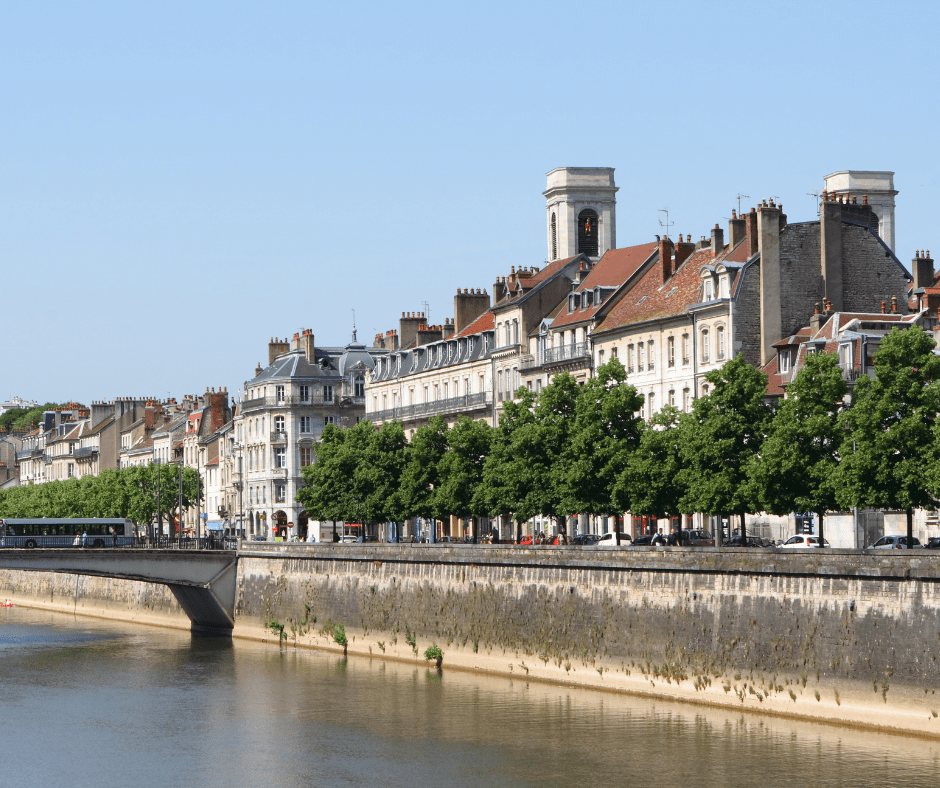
[[521, 285], [612, 270], [485, 322], [774, 378]]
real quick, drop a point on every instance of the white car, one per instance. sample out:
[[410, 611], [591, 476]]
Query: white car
[[608, 540], [802, 541], [894, 543]]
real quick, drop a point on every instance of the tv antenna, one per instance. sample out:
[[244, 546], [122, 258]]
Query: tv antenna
[[427, 313], [741, 197], [667, 224], [817, 195]]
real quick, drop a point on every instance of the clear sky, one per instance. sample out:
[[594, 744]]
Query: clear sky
[[181, 181]]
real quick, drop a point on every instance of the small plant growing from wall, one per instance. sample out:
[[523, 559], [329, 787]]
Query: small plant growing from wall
[[434, 652], [339, 637], [276, 626]]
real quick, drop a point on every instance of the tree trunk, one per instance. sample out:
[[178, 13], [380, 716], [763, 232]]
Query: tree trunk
[[743, 530], [819, 517], [910, 528]]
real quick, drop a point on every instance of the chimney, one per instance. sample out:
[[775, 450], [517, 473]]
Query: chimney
[[752, 243], [428, 334], [718, 241], [295, 342], [922, 268], [830, 250], [307, 346], [584, 271], [683, 250], [408, 327], [219, 412], [665, 258], [447, 330], [499, 290], [737, 230], [275, 348], [771, 322], [468, 306]]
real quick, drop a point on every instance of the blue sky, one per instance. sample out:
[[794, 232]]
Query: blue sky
[[181, 181]]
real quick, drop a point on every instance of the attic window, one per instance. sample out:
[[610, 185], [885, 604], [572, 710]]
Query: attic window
[[671, 292], [641, 300]]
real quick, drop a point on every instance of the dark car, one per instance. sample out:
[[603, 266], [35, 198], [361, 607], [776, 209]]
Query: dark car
[[585, 539], [644, 540], [933, 543], [748, 541], [693, 538]]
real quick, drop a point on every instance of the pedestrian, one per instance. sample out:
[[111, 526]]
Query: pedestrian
[[84, 537]]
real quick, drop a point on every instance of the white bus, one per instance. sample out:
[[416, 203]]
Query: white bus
[[32, 532]]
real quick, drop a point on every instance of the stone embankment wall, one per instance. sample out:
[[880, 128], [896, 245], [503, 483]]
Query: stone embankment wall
[[836, 635]]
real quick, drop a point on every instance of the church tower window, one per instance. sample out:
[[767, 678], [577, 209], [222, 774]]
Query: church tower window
[[554, 237], [587, 232]]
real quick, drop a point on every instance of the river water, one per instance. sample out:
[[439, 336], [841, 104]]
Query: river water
[[94, 703]]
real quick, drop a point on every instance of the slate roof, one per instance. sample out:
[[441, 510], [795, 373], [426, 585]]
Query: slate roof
[[523, 286]]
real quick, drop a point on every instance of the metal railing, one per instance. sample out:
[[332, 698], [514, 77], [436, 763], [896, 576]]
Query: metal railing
[[569, 352], [288, 400], [119, 542], [465, 402]]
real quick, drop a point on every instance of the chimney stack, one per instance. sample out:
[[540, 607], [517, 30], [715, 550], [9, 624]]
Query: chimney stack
[[771, 315], [276, 347], [752, 241], [718, 240], [830, 250], [922, 268], [665, 258], [408, 327], [683, 250], [306, 344], [737, 230], [468, 306]]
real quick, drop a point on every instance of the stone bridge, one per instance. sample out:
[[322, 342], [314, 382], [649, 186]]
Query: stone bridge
[[203, 581]]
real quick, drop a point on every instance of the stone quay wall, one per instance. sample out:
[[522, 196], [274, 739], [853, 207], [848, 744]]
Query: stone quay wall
[[835, 635]]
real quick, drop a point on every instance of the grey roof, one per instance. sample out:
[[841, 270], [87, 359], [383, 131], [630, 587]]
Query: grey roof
[[437, 355]]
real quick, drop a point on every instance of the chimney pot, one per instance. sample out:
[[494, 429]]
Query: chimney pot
[[864, 199]]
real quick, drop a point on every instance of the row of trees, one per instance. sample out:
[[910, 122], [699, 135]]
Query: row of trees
[[132, 492], [583, 449]]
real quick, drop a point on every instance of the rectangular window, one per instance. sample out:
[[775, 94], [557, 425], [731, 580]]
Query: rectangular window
[[328, 420], [280, 493], [600, 358], [649, 346], [685, 348], [71, 469], [640, 357], [280, 458], [279, 393], [327, 393], [721, 342], [629, 358], [305, 456], [305, 424], [671, 351], [305, 393]]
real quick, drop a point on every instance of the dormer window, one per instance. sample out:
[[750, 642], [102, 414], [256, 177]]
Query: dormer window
[[597, 295], [783, 360], [707, 291]]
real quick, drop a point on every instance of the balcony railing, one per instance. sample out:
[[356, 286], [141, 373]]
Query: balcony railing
[[571, 352], [287, 401], [278, 437], [439, 406]]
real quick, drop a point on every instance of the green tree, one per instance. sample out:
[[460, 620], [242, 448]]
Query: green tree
[[604, 435], [796, 467], [421, 476], [377, 479], [461, 469], [890, 457], [505, 480], [725, 430], [329, 488], [654, 481]]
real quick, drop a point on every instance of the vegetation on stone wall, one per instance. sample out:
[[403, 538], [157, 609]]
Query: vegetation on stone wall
[[584, 449]]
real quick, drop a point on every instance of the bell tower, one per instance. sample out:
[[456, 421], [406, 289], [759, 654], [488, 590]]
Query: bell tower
[[581, 211]]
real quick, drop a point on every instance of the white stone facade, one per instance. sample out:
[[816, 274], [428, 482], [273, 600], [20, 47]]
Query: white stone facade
[[570, 192], [878, 185]]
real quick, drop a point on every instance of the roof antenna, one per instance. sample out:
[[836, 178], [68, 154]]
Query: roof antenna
[[815, 194], [667, 224], [741, 197], [427, 313]]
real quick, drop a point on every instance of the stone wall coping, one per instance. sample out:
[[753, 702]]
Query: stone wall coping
[[887, 564]]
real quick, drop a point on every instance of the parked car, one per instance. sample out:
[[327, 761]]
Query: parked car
[[802, 541], [693, 538], [933, 543], [609, 540], [585, 540], [259, 538], [748, 541], [895, 543], [643, 540]]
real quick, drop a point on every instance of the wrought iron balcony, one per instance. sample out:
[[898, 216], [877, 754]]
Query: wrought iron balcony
[[467, 402]]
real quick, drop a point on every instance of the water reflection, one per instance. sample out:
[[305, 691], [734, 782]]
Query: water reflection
[[97, 703]]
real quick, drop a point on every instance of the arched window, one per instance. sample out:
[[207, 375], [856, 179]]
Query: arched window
[[587, 232], [721, 342], [499, 383], [704, 345], [554, 237]]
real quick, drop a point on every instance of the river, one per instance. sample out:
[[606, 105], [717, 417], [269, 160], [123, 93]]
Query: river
[[96, 703]]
